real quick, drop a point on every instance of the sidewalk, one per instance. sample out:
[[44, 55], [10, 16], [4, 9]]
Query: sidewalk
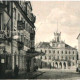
[[23, 75]]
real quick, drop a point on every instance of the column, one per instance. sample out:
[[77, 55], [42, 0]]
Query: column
[[58, 65], [66, 65], [17, 59], [62, 65]]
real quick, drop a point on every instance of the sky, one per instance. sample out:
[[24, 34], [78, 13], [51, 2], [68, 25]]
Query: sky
[[53, 15]]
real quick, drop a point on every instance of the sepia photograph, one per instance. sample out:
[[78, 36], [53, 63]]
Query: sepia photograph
[[40, 39]]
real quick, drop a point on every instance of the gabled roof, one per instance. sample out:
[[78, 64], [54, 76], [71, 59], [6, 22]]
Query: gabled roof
[[47, 45], [43, 45], [69, 47], [78, 36]]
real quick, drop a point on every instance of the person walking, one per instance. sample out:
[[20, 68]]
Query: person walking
[[16, 70]]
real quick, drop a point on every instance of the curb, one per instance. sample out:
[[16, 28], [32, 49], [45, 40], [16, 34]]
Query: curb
[[35, 76]]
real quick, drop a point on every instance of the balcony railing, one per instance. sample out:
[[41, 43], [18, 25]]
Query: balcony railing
[[20, 25]]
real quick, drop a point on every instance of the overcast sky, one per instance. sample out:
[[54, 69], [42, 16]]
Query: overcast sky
[[49, 12]]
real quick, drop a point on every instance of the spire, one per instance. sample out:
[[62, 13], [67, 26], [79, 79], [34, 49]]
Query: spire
[[57, 26]]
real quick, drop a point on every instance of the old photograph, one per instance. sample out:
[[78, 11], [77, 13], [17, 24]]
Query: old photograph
[[40, 39]]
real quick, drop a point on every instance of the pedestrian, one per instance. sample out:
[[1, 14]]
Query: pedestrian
[[16, 70]]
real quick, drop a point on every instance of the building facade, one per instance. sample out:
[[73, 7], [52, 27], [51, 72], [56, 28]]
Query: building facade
[[58, 54], [17, 33], [79, 45]]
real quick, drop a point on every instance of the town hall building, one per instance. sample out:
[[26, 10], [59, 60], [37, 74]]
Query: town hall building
[[58, 54]]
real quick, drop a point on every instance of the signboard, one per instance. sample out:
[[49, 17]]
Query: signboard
[[2, 60]]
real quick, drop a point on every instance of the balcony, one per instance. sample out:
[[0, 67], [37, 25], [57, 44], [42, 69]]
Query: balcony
[[20, 25], [2, 6], [31, 17]]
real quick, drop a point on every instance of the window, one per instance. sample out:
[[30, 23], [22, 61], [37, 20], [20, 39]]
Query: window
[[18, 17], [49, 57], [69, 58], [54, 51], [49, 51], [69, 52], [0, 21], [73, 52], [62, 52], [14, 13], [62, 57], [58, 52], [45, 57], [73, 58], [41, 57], [66, 52], [58, 57], [21, 18], [66, 58], [41, 50], [8, 7], [73, 63]]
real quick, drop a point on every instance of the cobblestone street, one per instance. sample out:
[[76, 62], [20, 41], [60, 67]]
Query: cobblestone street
[[59, 74]]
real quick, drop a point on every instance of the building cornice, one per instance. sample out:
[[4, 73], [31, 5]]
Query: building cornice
[[25, 15]]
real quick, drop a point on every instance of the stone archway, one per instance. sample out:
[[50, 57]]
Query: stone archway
[[56, 65], [60, 64], [64, 65]]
